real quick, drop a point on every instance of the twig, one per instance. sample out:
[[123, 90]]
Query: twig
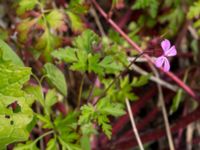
[[137, 48], [164, 111], [154, 78], [135, 131], [158, 133], [96, 18]]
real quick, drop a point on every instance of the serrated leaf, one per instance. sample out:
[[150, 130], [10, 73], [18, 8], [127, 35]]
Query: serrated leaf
[[88, 129], [104, 122], [107, 108], [141, 81], [66, 54], [55, 19], [68, 146], [110, 65], [67, 123], [93, 64], [9, 54], [56, 77], [26, 5], [86, 41], [87, 112], [81, 63]]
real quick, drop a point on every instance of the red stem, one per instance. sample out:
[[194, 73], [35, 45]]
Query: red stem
[[137, 48]]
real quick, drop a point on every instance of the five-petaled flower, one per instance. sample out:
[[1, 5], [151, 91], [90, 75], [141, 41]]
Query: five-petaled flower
[[168, 51]]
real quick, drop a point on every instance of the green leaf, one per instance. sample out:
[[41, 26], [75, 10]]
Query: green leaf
[[50, 99], [36, 92], [46, 43], [75, 20], [55, 19], [56, 77], [178, 97], [110, 65], [78, 7], [68, 146], [9, 54], [106, 107], [66, 54], [174, 18], [125, 90], [194, 10], [86, 41], [93, 64], [66, 127], [176, 101], [4, 34], [26, 5], [99, 114], [66, 124], [104, 122], [141, 81], [88, 129], [13, 128], [150, 5], [85, 142], [46, 121], [28, 146], [87, 113], [51, 145], [81, 63]]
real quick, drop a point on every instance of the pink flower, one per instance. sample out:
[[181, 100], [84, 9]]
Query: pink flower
[[168, 51]]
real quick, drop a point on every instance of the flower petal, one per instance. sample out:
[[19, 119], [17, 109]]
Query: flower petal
[[170, 52], [165, 44], [159, 61], [166, 65]]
